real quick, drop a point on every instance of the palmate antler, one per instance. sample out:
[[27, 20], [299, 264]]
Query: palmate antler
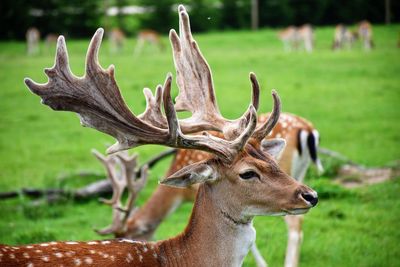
[[122, 172], [196, 89], [98, 101]]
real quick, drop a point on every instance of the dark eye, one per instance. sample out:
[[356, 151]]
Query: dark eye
[[249, 174]]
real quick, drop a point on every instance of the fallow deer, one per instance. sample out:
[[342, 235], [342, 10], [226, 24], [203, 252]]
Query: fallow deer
[[293, 37], [305, 35], [289, 38], [365, 34], [50, 40], [32, 41], [343, 37], [302, 140], [148, 36], [241, 180], [117, 39]]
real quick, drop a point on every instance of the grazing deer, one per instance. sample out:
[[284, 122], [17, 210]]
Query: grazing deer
[[343, 37], [117, 39], [148, 36], [241, 180], [293, 37], [51, 40], [288, 37], [365, 34], [301, 149], [32, 41], [305, 35]]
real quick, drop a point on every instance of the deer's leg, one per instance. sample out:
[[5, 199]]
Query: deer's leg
[[260, 261], [138, 47], [295, 237]]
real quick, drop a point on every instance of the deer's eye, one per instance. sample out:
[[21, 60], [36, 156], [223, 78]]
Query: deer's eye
[[249, 175]]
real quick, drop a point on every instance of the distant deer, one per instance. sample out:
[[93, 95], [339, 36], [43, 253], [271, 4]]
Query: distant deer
[[32, 41], [51, 41], [117, 39], [365, 34], [294, 37], [289, 38], [343, 37], [239, 181], [148, 36], [301, 149]]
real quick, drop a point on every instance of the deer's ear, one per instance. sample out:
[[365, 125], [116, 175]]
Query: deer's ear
[[274, 147], [193, 174]]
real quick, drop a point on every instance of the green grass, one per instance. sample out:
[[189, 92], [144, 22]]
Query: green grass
[[352, 97]]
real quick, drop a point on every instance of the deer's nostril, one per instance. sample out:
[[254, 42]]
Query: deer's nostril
[[311, 198]]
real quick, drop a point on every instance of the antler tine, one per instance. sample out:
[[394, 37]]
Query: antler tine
[[263, 130], [134, 188], [196, 91], [117, 184], [153, 112], [255, 90]]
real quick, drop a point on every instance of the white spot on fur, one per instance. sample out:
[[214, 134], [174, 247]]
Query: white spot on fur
[[71, 243], [58, 255], [53, 243], [30, 264], [140, 258], [105, 242], [77, 261], [105, 255], [88, 260], [44, 245], [112, 257], [129, 258], [92, 243], [26, 255], [38, 251], [45, 259], [145, 249], [70, 253], [16, 248], [92, 251], [154, 255], [29, 246], [12, 256]]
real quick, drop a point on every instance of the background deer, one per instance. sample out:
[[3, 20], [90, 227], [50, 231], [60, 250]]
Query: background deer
[[294, 37], [32, 41], [365, 34], [117, 39], [241, 179], [150, 37], [343, 37]]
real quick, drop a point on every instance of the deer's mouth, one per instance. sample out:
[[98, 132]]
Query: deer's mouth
[[297, 211]]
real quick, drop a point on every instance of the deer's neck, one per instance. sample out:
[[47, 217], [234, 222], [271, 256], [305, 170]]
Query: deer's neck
[[213, 236]]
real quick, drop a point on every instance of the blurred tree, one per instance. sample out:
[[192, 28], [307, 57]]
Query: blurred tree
[[235, 14], [161, 16], [14, 18], [203, 15], [73, 17]]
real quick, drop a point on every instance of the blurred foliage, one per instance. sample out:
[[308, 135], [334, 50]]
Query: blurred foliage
[[80, 18]]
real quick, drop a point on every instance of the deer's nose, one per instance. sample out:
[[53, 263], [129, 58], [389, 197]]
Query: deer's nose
[[310, 197]]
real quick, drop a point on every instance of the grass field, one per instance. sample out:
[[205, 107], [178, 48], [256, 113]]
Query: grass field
[[352, 97]]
